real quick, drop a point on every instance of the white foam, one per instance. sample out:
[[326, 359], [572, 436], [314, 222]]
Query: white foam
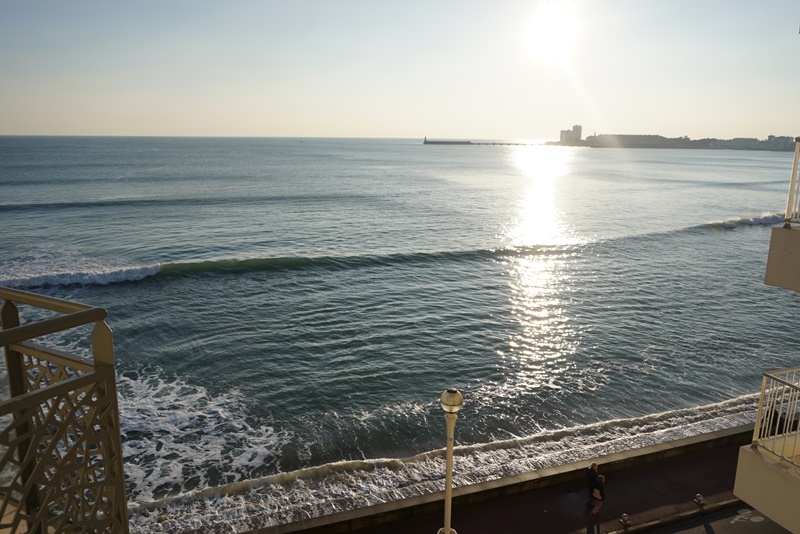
[[312, 492], [53, 266], [768, 219], [175, 434]]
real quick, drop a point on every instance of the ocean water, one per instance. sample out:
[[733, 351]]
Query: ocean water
[[287, 312]]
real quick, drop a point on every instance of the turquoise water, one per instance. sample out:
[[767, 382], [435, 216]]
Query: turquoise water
[[280, 304]]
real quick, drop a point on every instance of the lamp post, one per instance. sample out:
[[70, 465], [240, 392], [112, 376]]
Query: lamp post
[[451, 402]]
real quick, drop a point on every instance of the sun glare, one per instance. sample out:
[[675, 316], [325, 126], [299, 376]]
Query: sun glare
[[538, 221], [552, 32]]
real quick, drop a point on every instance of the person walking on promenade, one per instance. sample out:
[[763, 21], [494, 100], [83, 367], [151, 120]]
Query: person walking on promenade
[[598, 494], [591, 477]]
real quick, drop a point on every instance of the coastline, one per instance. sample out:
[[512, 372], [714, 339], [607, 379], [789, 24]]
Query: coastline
[[771, 144], [364, 490], [392, 514]]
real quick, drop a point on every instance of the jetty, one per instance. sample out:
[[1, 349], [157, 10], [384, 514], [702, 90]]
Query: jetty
[[427, 141]]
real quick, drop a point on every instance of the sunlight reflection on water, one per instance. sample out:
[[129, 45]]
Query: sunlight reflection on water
[[538, 222], [537, 355]]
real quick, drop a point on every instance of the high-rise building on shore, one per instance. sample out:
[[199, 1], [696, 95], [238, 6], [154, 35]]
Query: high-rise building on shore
[[571, 137]]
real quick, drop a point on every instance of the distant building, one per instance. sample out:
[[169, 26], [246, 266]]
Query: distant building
[[571, 137], [782, 142]]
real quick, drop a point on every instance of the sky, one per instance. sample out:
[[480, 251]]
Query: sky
[[499, 69]]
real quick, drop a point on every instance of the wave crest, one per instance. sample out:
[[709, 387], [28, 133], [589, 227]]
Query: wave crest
[[48, 266], [768, 219], [105, 277], [58, 268], [355, 262]]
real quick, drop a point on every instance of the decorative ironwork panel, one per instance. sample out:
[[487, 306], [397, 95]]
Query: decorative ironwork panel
[[61, 457], [60, 447], [40, 373]]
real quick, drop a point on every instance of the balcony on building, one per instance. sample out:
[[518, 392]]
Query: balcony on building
[[783, 262], [768, 471]]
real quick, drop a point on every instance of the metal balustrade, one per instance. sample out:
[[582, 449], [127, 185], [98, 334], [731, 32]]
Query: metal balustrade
[[776, 429], [60, 447]]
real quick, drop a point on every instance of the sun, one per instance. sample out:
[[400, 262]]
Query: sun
[[552, 32]]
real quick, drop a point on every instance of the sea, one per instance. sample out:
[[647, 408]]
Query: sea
[[287, 311]]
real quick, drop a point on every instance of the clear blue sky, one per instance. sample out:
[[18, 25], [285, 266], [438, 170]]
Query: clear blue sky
[[455, 69]]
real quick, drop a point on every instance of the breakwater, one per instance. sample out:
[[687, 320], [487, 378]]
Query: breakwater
[[426, 141]]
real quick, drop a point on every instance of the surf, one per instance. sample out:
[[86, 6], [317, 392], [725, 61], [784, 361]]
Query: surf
[[351, 484]]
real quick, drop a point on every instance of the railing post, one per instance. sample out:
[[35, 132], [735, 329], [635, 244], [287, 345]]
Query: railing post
[[791, 202], [759, 414], [9, 315], [103, 353], [791, 414], [10, 319], [102, 345]]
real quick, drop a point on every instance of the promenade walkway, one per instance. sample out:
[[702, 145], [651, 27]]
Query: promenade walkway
[[656, 496], [655, 487]]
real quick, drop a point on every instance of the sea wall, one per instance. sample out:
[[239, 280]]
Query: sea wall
[[373, 516]]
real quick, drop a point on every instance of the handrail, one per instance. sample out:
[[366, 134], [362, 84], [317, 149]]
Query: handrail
[[775, 372], [53, 355], [50, 326], [781, 380], [793, 201], [41, 301]]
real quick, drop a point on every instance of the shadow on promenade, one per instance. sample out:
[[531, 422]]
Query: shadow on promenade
[[647, 492]]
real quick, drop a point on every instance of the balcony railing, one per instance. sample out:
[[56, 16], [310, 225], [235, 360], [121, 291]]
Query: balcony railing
[[776, 429], [60, 448], [793, 202]]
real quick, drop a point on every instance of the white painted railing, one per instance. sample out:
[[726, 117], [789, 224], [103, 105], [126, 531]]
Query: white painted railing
[[777, 430], [793, 202]]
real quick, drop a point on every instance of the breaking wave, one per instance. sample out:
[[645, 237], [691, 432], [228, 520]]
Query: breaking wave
[[320, 490], [56, 267]]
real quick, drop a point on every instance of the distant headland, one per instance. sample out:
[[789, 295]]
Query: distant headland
[[574, 137]]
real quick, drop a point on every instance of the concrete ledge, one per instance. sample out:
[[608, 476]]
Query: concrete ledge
[[373, 516], [783, 260], [677, 518], [769, 484]]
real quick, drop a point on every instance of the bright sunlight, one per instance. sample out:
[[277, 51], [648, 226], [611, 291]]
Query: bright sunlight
[[552, 32]]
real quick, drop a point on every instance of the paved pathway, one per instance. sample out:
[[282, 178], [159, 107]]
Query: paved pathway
[[735, 520], [648, 493]]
